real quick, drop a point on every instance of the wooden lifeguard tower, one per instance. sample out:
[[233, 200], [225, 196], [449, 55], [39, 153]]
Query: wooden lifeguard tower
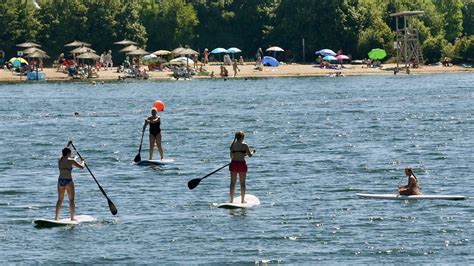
[[407, 43]]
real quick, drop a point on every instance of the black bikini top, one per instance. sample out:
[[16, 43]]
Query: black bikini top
[[244, 151]]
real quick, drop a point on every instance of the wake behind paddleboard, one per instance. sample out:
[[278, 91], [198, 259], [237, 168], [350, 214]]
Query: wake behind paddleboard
[[155, 162], [251, 201], [64, 222], [410, 197]]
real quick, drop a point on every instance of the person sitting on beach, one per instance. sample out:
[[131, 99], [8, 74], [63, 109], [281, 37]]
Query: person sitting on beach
[[412, 187], [224, 73], [60, 62], [446, 61], [241, 61]]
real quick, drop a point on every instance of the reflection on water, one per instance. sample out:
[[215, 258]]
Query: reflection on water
[[320, 141]]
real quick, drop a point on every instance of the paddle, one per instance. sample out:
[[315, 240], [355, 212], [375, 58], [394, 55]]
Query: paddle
[[195, 182], [112, 207], [138, 157]]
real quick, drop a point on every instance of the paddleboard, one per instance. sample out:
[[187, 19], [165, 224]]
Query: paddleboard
[[411, 197], [64, 222], [155, 162], [251, 201]]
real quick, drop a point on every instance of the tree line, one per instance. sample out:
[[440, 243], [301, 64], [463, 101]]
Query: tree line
[[353, 26]]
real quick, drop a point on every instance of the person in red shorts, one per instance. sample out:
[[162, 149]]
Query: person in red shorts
[[238, 150], [412, 188]]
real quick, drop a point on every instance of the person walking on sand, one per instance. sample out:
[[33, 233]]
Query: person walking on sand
[[65, 182], [102, 60], [235, 67], [109, 61], [412, 188], [238, 150], [155, 132], [206, 56]]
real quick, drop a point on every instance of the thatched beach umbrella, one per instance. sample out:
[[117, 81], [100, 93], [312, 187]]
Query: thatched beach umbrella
[[177, 51], [82, 49], [37, 54], [28, 45], [138, 51], [126, 42], [129, 48], [77, 44], [88, 55], [162, 52], [187, 51], [32, 50]]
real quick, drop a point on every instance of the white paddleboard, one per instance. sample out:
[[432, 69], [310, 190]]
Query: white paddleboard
[[155, 162], [64, 222], [411, 197], [251, 201]]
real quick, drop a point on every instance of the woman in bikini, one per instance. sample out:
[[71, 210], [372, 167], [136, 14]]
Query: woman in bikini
[[238, 150], [65, 182], [155, 132], [412, 188]]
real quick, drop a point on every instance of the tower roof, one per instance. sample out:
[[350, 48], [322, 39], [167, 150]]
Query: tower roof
[[407, 13]]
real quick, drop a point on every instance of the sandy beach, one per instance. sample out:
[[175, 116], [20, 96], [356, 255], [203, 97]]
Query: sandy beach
[[249, 71]]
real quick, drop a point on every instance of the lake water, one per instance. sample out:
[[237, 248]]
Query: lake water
[[319, 142]]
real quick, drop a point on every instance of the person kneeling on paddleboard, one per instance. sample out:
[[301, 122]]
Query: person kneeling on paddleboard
[[412, 188], [65, 182], [238, 150]]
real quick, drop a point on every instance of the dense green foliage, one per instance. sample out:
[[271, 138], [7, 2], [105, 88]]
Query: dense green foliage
[[354, 26]]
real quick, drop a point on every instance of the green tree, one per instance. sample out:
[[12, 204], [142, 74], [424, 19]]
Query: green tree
[[468, 17], [19, 23], [170, 24], [464, 49], [129, 25], [377, 36], [235, 23], [62, 22], [432, 48], [101, 23], [451, 11]]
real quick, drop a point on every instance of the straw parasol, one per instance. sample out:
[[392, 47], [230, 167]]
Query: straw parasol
[[77, 44], [28, 45], [187, 51], [81, 50], [138, 51], [32, 50], [129, 48], [37, 54], [126, 42], [177, 50], [88, 55], [162, 52]]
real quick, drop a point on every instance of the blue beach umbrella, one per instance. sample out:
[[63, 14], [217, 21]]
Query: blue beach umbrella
[[329, 58], [270, 61], [325, 52], [234, 50], [219, 51]]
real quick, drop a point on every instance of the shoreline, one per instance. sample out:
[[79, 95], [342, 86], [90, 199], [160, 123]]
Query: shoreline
[[246, 72]]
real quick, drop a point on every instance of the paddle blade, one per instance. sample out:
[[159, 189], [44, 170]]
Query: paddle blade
[[112, 207], [194, 183], [137, 158]]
